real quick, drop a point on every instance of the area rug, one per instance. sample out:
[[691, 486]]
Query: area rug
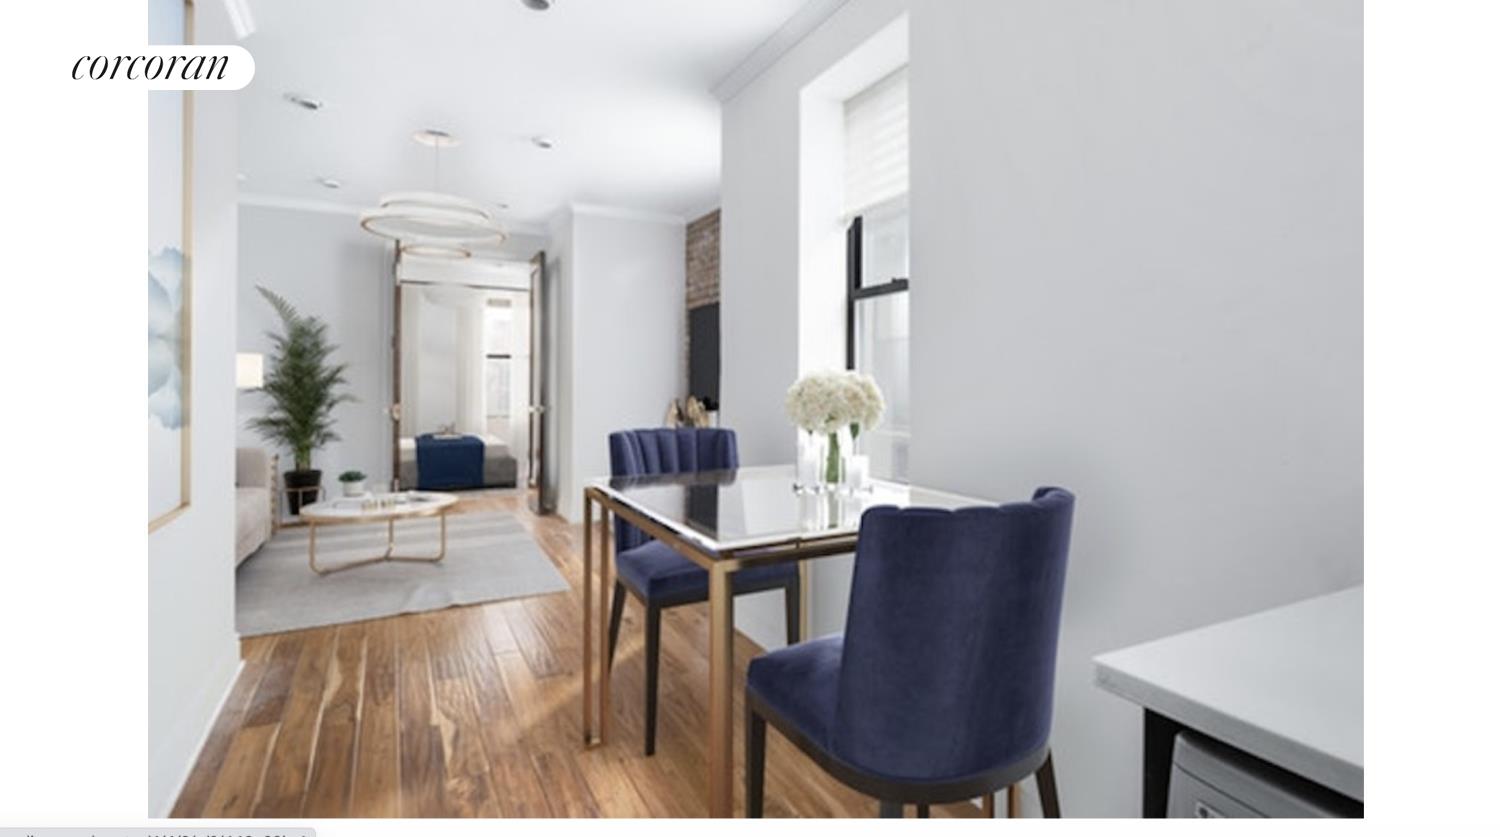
[[490, 557]]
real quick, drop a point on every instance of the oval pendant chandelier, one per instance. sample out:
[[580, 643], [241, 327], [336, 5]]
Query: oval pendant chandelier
[[433, 224]]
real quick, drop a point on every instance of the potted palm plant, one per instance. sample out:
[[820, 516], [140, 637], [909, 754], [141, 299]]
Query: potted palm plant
[[304, 386]]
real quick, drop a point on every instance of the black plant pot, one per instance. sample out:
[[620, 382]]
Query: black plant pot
[[302, 489]]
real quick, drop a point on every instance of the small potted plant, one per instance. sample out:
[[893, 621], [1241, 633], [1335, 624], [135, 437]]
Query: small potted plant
[[353, 483], [304, 385]]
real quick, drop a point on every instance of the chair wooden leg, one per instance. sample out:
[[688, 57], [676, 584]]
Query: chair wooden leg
[[616, 611], [793, 594], [987, 806], [1046, 783], [1013, 801], [923, 811], [755, 763], [653, 664], [891, 810]]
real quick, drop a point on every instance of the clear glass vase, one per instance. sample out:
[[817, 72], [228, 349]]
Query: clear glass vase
[[823, 462], [812, 454]]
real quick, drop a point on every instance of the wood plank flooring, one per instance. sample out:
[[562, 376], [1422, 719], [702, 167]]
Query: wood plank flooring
[[474, 712]]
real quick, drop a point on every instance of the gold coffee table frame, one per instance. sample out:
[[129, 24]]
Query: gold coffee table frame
[[329, 513]]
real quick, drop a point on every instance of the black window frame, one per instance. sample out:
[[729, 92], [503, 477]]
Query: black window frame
[[858, 291]]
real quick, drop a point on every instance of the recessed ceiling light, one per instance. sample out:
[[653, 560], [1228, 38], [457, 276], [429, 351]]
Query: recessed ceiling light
[[502, 204], [542, 141], [537, 5], [330, 182], [435, 138], [304, 102]]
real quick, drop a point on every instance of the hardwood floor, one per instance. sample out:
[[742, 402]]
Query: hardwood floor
[[473, 712]]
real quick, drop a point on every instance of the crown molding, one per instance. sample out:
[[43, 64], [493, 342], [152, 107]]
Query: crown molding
[[703, 211], [798, 26], [302, 204], [534, 230], [626, 213], [336, 208]]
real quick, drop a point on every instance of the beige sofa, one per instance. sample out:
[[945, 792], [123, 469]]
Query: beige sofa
[[254, 501]]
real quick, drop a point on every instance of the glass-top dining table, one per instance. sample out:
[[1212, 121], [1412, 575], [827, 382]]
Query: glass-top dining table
[[724, 521]]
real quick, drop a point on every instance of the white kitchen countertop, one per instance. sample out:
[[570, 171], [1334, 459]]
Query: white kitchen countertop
[[1286, 685]]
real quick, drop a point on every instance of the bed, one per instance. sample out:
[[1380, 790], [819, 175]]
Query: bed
[[497, 468]]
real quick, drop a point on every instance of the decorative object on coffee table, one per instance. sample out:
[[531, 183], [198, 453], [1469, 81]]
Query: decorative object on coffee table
[[304, 386], [377, 508], [353, 483]]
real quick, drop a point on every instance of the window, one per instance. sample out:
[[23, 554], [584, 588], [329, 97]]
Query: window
[[497, 361], [877, 334]]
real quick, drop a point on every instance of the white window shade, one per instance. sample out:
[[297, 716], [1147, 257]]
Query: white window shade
[[875, 144]]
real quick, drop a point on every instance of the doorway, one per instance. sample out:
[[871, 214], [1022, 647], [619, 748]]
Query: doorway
[[466, 373]]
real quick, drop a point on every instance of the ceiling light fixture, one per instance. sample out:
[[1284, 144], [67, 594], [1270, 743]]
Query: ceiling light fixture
[[537, 5], [304, 102], [330, 182], [433, 223], [543, 142], [435, 138]]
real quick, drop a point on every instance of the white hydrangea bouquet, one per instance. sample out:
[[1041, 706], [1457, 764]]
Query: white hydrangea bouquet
[[826, 403]]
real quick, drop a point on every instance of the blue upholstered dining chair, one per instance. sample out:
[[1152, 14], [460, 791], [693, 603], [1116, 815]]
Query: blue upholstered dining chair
[[940, 688], [654, 573]]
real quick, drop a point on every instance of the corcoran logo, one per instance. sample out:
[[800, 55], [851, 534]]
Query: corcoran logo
[[171, 67]]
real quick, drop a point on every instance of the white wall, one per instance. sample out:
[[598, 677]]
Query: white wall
[[1140, 230], [192, 648], [557, 439], [1136, 271], [326, 266], [774, 325], [623, 284]]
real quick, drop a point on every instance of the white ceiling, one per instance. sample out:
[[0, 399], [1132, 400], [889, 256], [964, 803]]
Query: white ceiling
[[621, 86]]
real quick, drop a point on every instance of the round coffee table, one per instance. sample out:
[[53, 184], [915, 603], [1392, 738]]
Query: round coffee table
[[376, 508]]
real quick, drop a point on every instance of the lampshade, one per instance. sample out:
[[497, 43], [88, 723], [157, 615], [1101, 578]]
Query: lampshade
[[249, 370]]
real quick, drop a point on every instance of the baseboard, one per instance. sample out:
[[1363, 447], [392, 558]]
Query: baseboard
[[187, 770]]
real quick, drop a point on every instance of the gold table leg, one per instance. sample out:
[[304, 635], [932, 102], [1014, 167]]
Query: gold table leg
[[390, 548], [605, 566], [720, 694], [588, 619], [804, 596]]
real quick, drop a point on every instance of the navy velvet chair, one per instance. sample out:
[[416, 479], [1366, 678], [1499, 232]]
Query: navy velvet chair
[[940, 688], [654, 573]]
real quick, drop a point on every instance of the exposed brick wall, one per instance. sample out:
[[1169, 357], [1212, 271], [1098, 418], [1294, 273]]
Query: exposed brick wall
[[702, 271], [703, 261]]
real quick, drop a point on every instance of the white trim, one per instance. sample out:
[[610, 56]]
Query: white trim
[[626, 213], [303, 204], [798, 26], [703, 211], [213, 720], [335, 208]]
